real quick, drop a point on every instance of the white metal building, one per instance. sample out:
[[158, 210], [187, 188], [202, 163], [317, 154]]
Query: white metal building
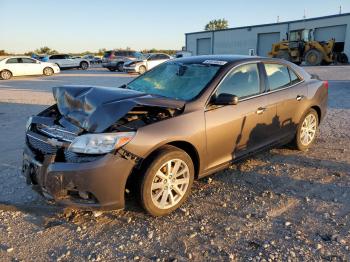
[[258, 39]]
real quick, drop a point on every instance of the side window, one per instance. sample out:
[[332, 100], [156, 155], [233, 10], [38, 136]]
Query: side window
[[12, 61], [293, 77], [53, 57], [152, 58], [28, 61], [277, 76], [242, 82], [162, 57]]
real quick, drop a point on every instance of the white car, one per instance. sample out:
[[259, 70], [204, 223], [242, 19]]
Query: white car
[[67, 61], [143, 65], [23, 66]]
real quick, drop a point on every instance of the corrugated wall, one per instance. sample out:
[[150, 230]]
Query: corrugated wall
[[239, 41]]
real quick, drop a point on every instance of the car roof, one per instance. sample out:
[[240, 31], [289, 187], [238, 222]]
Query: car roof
[[22, 56], [224, 58]]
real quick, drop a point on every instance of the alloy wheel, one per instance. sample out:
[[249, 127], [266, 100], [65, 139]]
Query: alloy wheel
[[48, 71], [308, 130], [5, 75], [84, 65], [170, 184], [142, 70]]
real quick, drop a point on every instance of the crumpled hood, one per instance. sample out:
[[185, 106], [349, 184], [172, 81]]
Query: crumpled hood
[[97, 108]]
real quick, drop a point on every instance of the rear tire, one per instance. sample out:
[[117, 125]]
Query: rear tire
[[167, 181], [112, 69], [84, 65], [313, 57], [5, 75], [307, 130], [344, 58], [48, 71]]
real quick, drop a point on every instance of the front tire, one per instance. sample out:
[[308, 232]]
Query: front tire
[[5, 75], [120, 66], [167, 181], [84, 65], [142, 70], [313, 57], [48, 71], [307, 130]]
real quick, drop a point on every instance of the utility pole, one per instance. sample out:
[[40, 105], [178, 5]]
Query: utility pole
[[304, 16], [278, 19], [340, 11]]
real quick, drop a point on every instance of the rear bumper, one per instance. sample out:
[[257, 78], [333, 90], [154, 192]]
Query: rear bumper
[[101, 182]]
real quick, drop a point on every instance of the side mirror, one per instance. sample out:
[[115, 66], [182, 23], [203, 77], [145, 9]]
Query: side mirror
[[226, 99]]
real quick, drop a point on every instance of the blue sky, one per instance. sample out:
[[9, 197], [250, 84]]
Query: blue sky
[[80, 25]]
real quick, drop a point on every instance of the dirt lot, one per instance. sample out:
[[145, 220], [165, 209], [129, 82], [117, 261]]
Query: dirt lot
[[281, 205]]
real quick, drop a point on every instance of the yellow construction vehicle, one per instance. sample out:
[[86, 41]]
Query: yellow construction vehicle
[[301, 47]]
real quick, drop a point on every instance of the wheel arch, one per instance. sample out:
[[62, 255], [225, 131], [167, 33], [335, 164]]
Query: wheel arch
[[191, 151], [319, 112], [5, 69], [189, 148]]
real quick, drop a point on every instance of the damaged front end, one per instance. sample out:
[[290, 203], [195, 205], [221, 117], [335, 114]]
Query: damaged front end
[[74, 149]]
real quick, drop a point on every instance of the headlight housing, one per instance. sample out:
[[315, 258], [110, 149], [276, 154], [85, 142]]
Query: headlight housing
[[100, 143]]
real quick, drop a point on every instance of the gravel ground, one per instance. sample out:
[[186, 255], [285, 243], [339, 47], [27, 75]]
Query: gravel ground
[[280, 205]]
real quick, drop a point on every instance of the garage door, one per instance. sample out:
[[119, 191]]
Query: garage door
[[325, 33], [204, 46], [265, 42]]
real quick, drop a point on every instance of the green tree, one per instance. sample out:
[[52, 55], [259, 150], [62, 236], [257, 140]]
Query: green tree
[[3, 52], [101, 51], [45, 50], [216, 25]]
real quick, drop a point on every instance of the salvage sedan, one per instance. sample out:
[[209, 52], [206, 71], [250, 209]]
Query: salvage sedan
[[183, 120]]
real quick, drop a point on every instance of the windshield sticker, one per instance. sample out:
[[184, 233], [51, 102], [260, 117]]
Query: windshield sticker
[[215, 62]]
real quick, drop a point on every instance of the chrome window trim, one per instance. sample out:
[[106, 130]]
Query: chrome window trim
[[302, 80], [273, 91]]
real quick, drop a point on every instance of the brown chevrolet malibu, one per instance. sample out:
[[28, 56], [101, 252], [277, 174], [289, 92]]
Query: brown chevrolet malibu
[[183, 120]]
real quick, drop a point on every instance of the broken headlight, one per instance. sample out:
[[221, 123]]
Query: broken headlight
[[100, 143]]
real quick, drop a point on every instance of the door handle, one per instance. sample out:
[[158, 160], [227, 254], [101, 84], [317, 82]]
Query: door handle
[[299, 98], [260, 110]]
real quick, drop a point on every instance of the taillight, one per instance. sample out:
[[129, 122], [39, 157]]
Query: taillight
[[326, 84]]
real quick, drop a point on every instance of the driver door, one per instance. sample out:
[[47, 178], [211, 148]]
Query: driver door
[[235, 130]]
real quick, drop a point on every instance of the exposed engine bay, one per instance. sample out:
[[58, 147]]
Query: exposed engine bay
[[141, 116]]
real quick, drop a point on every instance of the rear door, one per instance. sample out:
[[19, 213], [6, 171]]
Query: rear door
[[15, 66], [288, 92], [235, 130]]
